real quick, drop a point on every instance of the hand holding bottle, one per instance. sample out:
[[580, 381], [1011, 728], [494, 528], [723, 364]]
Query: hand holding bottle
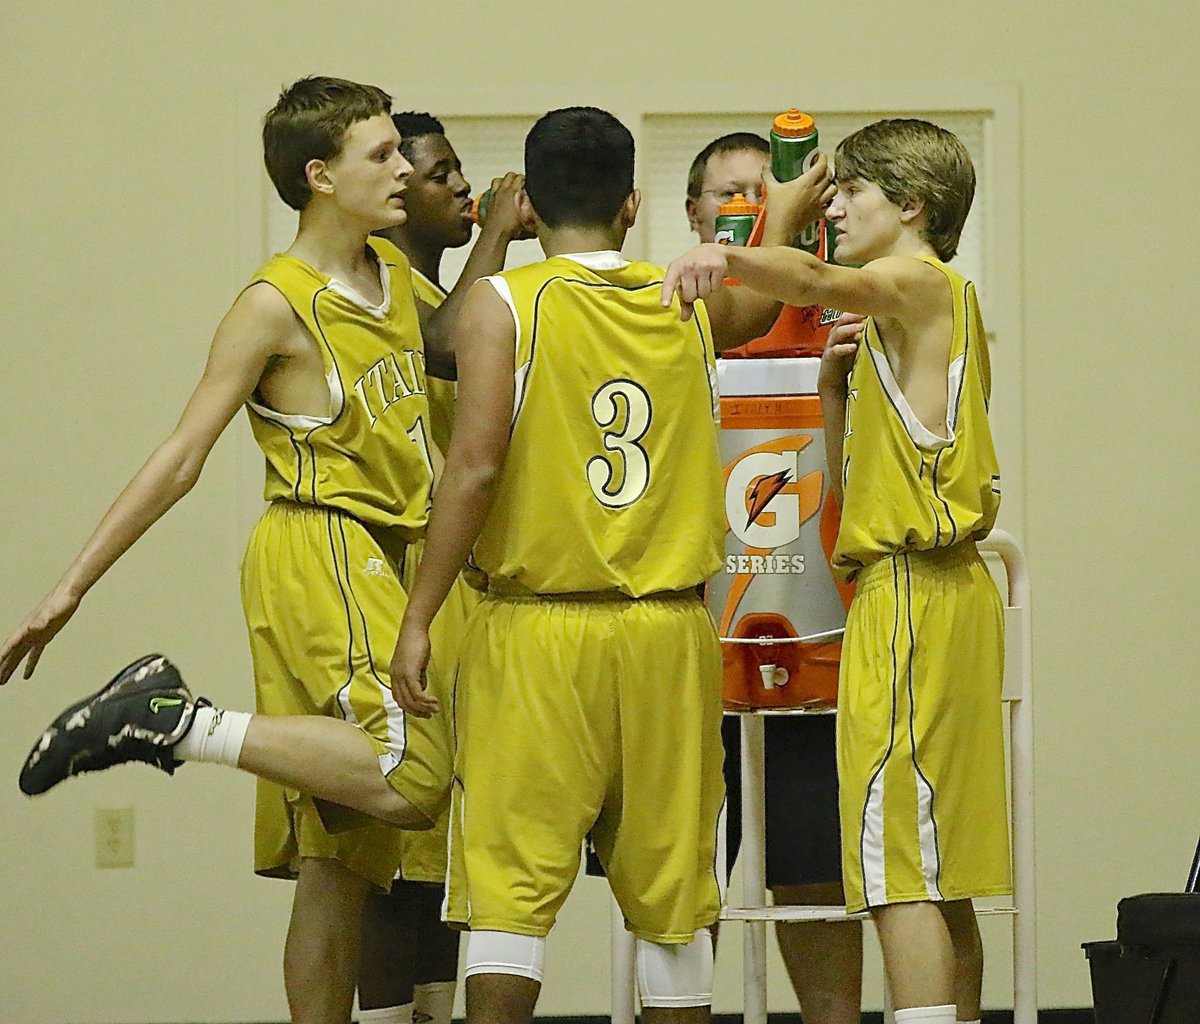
[[498, 209], [793, 206]]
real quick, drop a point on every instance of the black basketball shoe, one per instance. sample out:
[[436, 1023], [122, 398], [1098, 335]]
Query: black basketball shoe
[[139, 716]]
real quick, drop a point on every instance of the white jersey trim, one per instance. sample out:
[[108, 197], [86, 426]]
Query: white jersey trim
[[955, 376], [380, 311], [397, 736], [920, 434], [521, 373], [301, 421], [601, 259], [927, 835]]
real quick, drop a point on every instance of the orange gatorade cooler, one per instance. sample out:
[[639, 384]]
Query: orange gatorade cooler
[[779, 610]]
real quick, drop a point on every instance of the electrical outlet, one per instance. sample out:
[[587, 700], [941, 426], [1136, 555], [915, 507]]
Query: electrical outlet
[[114, 837]]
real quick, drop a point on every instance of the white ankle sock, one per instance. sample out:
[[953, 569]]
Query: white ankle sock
[[927, 1015], [387, 1015], [216, 736], [435, 998], [975, 1021]]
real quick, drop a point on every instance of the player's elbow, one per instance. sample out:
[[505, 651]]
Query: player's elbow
[[755, 321], [187, 476], [481, 475], [439, 355], [184, 463], [762, 318]]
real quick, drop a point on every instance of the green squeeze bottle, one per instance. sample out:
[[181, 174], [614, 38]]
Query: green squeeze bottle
[[479, 206], [735, 220], [793, 151]]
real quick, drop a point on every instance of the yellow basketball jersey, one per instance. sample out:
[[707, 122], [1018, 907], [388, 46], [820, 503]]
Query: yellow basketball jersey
[[370, 455], [441, 392], [612, 481], [906, 489]]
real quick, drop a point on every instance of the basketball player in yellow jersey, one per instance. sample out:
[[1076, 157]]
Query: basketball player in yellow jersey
[[920, 747], [324, 348], [584, 472], [409, 955]]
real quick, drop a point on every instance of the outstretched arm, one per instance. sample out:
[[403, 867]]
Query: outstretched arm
[[485, 337], [247, 337], [895, 286], [502, 227]]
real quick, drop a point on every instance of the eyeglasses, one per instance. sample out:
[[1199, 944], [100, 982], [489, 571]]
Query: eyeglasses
[[753, 193]]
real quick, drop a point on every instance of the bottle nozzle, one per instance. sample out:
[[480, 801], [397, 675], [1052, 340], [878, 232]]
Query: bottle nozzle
[[739, 205], [792, 124]]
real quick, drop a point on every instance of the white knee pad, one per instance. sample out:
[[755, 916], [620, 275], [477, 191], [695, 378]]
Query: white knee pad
[[505, 953], [676, 975]]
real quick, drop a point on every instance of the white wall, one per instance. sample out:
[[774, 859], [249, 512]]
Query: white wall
[[131, 217]]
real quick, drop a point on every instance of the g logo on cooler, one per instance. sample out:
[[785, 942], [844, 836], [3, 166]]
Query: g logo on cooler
[[766, 498], [758, 511]]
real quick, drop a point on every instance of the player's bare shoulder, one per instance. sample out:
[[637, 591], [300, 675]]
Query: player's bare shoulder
[[921, 287], [923, 303], [262, 320]]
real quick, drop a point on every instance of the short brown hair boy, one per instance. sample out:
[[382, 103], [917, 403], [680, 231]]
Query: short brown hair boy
[[309, 122]]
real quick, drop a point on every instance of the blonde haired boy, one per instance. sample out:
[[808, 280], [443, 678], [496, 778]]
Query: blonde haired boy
[[920, 745]]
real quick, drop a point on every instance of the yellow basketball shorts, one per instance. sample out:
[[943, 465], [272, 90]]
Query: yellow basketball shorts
[[423, 854], [920, 740], [599, 713], [323, 596]]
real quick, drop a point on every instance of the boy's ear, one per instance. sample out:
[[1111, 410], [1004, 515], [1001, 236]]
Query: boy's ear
[[629, 208], [316, 173], [525, 210], [911, 209], [693, 217]]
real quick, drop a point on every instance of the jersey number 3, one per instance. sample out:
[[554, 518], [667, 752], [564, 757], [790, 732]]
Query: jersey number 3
[[621, 408]]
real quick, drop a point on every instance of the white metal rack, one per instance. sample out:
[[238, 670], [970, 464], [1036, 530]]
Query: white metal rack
[[1017, 693]]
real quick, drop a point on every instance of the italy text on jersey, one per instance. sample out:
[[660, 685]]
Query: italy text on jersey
[[389, 381]]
